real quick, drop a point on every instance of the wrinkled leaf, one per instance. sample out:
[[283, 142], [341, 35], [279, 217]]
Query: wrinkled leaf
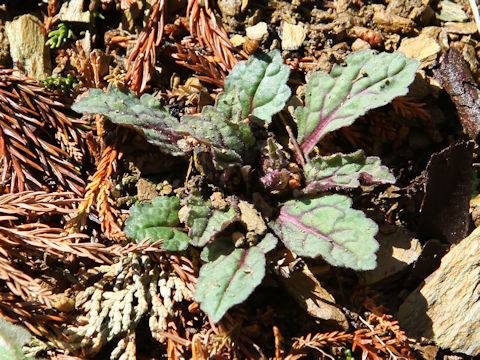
[[158, 220], [229, 142], [12, 338], [205, 222], [268, 243], [345, 171], [221, 246], [262, 85], [335, 100], [123, 107], [230, 106], [328, 227], [229, 280]]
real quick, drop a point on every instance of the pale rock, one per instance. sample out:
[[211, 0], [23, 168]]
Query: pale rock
[[398, 249], [237, 40], [258, 31], [292, 35], [360, 44], [461, 28], [421, 47], [27, 46], [302, 285], [450, 11], [446, 306], [72, 11], [390, 22], [230, 7]]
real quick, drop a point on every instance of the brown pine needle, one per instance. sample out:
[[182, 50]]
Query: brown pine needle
[[98, 192], [36, 203], [143, 55], [32, 121]]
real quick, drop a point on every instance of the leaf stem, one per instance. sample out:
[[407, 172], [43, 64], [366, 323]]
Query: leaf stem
[[298, 152]]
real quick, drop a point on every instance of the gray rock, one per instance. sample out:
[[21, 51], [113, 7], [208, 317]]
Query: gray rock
[[446, 307]]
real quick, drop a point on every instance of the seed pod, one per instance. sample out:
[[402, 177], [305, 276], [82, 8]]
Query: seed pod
[[250, 46]]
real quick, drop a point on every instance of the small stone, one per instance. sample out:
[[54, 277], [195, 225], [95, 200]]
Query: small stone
[[64, 303], [230, 7], [421, 47], [461, 28], [238, 239], [292, 35], [360, 44], [237, 40], [398, 249], [218, 201], [72, 11], [27, 46], [251, 218], [390, 22], [257, 32], [146, 191], [450, 11], [445, 307]]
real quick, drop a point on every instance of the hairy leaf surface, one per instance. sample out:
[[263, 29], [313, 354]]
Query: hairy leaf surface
[[158, 220], [221, 246], [12, 338], [328, 227], [123, 107], [230, 106], [345, 171], [228, 141], [205, 222], [335, 100], [262, 85], [268, 243], [229, 280]]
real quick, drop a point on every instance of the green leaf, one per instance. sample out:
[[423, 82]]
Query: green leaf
[[345, 171], [229, 280], [328, 227], [221, 246], [228, 141], [12, 338], [268, 243], [230, 106], [158, 220], [335, 100], [262, 85], [206, 222], [123, 107]]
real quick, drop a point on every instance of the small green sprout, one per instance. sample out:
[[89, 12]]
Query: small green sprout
[[59, 83], [59, 37]]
